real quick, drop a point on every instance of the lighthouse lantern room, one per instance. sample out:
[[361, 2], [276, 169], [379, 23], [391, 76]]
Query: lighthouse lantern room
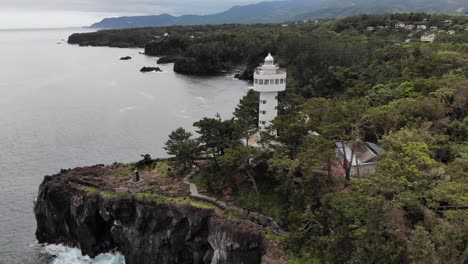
[[269, 80]]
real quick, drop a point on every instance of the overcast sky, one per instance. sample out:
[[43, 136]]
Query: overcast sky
[[68, 13]]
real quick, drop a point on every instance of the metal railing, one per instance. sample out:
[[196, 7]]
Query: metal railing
[[258, 70]]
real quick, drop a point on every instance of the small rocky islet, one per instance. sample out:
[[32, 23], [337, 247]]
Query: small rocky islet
[[150, 69], [169, 59]]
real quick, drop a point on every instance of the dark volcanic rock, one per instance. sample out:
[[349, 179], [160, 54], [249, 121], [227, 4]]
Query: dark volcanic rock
[[150, 69], [169, 59], [126, 58], [246, 75], [144, 231], [196, 67]]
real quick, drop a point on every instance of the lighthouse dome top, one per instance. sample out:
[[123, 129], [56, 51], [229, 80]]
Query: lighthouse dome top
[[269, 59]]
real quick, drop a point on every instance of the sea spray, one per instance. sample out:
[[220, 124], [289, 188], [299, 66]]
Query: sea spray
[[67, 255]]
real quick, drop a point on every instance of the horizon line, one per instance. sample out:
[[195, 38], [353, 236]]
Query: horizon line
[[45, 28]]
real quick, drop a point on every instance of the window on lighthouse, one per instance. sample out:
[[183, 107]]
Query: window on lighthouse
[[260, 82], [282, 81], [277, 81], [267, 82]]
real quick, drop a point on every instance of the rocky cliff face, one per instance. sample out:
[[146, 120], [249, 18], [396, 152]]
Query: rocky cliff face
[[144, 231]]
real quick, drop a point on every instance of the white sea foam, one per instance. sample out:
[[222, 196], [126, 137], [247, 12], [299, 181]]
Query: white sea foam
[[201, 99], [126, 109], [66, 255], [147, 96]]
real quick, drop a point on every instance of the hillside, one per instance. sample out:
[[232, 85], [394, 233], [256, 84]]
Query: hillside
[[345, 8], [281, 11]]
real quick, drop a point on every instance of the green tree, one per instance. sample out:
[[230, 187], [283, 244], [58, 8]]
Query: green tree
[[238, 159], [411, 155], [181, 145], [216, 135], [246, 114], [421, 249], [146, 161], [317, 156], [291, 128]]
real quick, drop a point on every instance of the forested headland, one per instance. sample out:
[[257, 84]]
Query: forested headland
[[345, 82]]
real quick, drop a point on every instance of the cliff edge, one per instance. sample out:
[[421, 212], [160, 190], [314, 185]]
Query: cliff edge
[[77, 208]]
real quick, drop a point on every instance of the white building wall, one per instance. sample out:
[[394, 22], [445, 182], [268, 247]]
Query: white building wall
[[268, 109], [269, 79]]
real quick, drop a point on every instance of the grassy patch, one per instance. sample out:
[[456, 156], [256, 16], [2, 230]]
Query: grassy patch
[[163, 165], [447, 53], [271, 235], [234, 213], [107, 194], [304, 258], [163, 168], [116, 195], [179, 200], [92, 191], [155, 187], [125, 171], [201, 204], [153, 197]]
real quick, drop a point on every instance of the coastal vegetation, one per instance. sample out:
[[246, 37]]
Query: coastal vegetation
[[349, 84], [306, 49], [345, 82]]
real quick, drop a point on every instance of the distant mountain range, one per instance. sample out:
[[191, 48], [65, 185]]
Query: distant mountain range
[[290, 10]]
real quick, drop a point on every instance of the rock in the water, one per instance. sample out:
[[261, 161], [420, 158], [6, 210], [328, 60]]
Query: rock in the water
[[126, 58], [246, 75], [151, 69], [170, 59]]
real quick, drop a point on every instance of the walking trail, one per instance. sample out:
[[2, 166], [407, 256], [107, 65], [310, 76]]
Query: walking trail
[[270, 222]]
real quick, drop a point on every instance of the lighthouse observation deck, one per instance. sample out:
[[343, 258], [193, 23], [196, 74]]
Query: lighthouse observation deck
[[269, 78], [276, 70]]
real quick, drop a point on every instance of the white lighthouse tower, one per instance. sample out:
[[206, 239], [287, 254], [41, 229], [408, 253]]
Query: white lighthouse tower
[[269, 80]]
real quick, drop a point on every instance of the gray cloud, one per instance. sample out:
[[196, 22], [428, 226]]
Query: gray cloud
[[176, 7], [72, 13]]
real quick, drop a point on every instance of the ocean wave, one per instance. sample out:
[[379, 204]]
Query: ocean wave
[[126, 109], [202, 99], [66, 255], [112, 83], [147, 96]]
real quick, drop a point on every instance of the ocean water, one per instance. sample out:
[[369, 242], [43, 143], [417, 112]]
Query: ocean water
[[63, 106]]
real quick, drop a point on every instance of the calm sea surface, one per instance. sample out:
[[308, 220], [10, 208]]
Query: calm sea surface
[[63, 106]]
